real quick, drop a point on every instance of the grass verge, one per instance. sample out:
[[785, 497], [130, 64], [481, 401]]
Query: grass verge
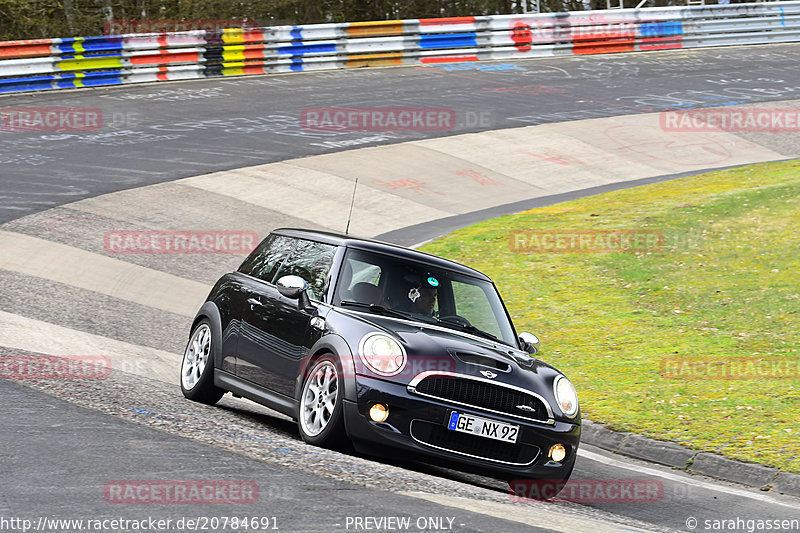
[[647, 335]]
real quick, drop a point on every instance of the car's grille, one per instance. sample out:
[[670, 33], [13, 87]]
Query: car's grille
[[472, 392], [440, 437]]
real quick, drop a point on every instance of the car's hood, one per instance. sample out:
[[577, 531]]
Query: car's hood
[[438, 348]]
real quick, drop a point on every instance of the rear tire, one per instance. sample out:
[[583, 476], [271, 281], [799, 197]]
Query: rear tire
[[320, 417], [197, 367]]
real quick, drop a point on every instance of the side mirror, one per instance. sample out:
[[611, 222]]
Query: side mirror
[[294, 287], [529, 342], [291, 286]]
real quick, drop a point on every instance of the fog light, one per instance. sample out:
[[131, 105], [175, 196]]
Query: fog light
[[379, 412], [557, 453]]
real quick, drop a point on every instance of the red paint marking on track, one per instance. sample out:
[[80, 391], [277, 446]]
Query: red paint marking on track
[[547, 158]]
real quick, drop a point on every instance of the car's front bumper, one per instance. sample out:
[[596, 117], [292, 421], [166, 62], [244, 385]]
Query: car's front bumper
[[416, 425]]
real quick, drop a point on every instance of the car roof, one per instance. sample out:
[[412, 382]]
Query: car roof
[[371, 245]]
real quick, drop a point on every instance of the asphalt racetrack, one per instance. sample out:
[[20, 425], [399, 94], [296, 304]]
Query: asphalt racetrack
[[162, 132]]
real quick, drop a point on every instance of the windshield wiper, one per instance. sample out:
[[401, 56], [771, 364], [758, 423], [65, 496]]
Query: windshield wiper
[[471, 329], [375, 308]]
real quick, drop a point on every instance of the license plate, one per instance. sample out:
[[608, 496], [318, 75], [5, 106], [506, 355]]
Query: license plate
[[483, 427]]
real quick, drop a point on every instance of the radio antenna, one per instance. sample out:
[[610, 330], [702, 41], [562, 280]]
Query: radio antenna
[[352, 201]]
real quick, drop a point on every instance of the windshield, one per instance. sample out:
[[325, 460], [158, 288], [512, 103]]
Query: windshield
[[402, 288]]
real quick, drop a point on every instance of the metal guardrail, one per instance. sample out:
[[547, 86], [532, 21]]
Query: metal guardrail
[[138, 58]]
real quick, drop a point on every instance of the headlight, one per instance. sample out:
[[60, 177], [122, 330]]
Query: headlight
[[566, 397], [382, 354]]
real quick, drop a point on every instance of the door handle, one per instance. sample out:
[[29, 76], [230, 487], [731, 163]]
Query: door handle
[[255, 301]]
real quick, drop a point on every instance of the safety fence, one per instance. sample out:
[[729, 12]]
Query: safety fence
[[137, 58]]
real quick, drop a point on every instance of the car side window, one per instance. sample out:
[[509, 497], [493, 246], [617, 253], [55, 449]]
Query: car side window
[[364, 273], [264, 261], [312, 262]]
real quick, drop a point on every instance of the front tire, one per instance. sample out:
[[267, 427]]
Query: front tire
[[320, 416], [197, 367]]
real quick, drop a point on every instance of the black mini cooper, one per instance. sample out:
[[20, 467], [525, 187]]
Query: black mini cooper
[[385, 347]]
